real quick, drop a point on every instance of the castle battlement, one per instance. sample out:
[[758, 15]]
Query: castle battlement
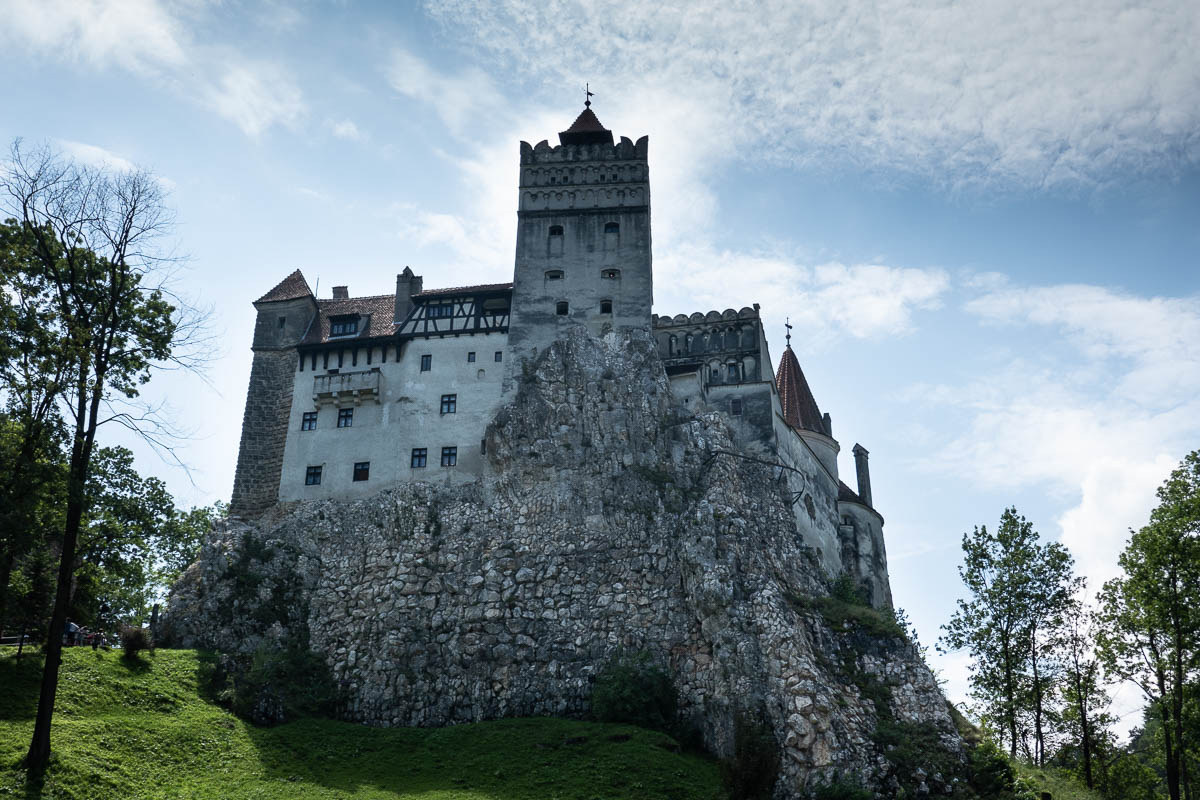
[[625, 149]]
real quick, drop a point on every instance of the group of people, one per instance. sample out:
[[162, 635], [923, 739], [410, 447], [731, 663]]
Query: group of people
[[76, 636]]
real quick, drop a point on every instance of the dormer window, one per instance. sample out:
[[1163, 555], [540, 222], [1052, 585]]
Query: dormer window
[[554, 274], [444, 309], [610, 274], [343, 326]]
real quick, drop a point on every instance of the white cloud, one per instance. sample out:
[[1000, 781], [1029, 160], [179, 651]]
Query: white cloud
[[1097, 416], [459, 99], [149, 38], [346, 129], [138, 35], [1027, 92], [95, 156], [255, 96]]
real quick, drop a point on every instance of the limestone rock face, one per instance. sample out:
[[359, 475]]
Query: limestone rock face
[[609, 522]]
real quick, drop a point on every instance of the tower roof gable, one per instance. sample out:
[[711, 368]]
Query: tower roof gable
[[290, 288], [586, 129], [799, 407]]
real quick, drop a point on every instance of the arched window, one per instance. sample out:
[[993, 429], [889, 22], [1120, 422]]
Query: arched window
[[611, 274], [560, 308], [606, 306], [612, 227], [554, 274]]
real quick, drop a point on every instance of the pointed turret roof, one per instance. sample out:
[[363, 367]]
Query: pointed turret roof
[[799, 408], [290, 288], [586, 129]]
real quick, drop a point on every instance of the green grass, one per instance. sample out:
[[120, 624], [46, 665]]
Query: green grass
[[145, 731], [1058, 782]]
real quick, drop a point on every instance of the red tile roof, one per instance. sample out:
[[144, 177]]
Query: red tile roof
[[483, 287], [799, 408], [586, 129], [290, 288], [379, 311]]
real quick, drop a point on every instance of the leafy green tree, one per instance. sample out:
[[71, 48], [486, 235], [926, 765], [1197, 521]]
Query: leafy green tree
[[1151, 613], [1018, 592], [92, 279], [1084, 715]]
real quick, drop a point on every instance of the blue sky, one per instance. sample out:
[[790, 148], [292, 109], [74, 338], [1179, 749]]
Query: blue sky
[[982, 218]]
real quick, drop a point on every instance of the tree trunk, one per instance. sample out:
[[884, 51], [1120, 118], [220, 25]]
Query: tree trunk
[[6, 568], [81, 453], [1038, 740]]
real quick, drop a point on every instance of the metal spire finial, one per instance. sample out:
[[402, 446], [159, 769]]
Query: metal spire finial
[[587, 99], [787, 323]]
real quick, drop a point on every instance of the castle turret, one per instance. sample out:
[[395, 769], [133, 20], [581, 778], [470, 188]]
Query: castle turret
[[583, 237], [284, 316], [801, 413]]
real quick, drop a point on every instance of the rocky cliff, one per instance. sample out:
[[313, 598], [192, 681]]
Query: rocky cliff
[[610, 522]]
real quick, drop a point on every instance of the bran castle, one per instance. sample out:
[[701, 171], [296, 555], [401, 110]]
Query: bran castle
[[352, 395]]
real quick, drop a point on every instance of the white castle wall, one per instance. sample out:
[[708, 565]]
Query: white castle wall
[[407, 414]]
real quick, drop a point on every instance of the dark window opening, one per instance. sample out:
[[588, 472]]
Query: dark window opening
[[560, 308], [312, 476], [612, 227], [426, 363], [735, 407], [556, 230], [282, 321], [342, 326], [449, 403], [611, 274], [444, 309], [483, 447], [554, 274], [499, 356], [714, 375], [345, 418], [362, 470], [606, 306], [449, 456], [734, 373], [309, 423], [418, 457], [471, 357]]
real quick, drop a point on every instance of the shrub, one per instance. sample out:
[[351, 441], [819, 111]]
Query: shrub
[[634, 690], [842, 791], [273, 685], [752, 772], [135, 640]]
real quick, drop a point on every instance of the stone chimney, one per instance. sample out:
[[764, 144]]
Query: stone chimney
[[341, 293], [864, 474], [407, 284]]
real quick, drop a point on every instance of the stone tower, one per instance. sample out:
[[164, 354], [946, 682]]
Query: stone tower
[[284, 315], [583, 237]]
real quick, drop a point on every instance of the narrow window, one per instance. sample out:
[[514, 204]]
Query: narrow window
[[606, 306], [554, 244], [499, 356], [345, 418], [734, 373], [560, 308], [471, 357], [610, 274], [449, 403], [282, 321], [714, 375], [309, 423], [418, 457], [312, 476], [735, 407], [554, 274], [426, 363], [362, 470], [449, 456], [483, 447]]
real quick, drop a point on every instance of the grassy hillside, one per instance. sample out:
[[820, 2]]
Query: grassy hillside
[[144, 731], [1058, 782]]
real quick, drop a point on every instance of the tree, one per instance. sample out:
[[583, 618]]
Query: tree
[[1018, 592], [90, 272], [1151, 613], [1084, 713]]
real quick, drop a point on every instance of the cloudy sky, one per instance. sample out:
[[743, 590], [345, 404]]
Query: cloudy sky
[[982, 218]]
